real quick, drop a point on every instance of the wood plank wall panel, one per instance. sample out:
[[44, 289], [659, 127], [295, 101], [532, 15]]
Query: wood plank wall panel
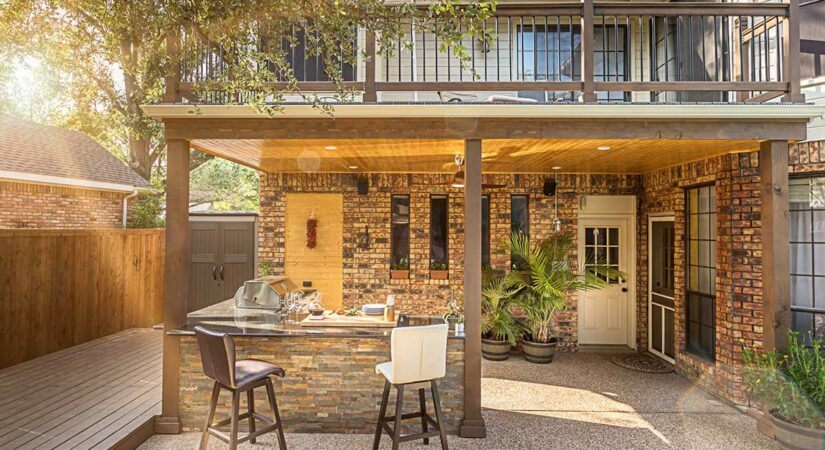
[[324, 264], [60, 288]]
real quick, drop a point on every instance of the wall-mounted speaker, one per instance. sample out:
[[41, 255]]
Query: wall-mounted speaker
[[363, 187], [549, 188]]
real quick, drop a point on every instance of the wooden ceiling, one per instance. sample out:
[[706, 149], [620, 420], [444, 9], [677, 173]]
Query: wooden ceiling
[[499, 155]]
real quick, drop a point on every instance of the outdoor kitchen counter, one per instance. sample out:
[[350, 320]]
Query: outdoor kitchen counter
[[330, 384]]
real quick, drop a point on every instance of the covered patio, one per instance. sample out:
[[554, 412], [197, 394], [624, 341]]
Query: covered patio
[[581, 401], [641, 157]]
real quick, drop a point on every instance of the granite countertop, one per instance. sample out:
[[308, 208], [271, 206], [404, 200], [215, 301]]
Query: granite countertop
[[224, 317]]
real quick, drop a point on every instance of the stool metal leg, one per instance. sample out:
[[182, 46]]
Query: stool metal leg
[[213, 404], [423, 405], [250, 400], [233, 433], [399, 401], [442, 427], [270, 392], [382, 412]]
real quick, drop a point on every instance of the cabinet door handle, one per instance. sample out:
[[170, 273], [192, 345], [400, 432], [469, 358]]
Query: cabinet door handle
[[221, 272], [214, 275]]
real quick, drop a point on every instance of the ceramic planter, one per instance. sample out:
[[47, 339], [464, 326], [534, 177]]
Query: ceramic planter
[[398, 274], [495, 350], [439, 274], [792, 436], [539, 353]]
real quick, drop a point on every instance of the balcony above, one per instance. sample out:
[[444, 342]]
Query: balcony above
[[562, 52]]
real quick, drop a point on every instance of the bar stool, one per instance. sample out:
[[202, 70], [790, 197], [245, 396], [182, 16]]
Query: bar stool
[[244, 375], [419, 357]]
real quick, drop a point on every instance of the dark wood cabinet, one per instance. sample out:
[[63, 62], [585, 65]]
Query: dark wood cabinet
[[222, 258]]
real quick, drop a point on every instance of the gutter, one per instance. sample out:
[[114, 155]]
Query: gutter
[[134, 194], [647, 111]]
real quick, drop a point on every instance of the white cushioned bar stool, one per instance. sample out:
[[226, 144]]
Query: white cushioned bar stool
[[419, 357], [237, 376]]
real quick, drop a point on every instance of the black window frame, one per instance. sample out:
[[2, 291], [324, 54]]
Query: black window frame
[[703, 300], [526, 222], [446, 223], [803, 317], [394, 260]]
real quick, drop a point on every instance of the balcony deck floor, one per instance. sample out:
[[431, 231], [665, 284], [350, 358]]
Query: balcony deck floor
[[93, 395]]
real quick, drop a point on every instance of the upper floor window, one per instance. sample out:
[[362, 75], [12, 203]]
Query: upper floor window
[[400, 233], [307, 65], [807, 241], [439, 224], [701, 264], [552, 52]]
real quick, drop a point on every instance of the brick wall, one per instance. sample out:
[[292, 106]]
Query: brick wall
[[24, 205], [366, 271]]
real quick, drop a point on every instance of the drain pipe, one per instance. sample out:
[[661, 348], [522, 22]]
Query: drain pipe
[[126, 205]]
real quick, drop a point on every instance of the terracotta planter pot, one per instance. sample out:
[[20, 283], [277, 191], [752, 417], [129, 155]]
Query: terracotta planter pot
[[792, 436], [539, 353], [399, 274], [495, 350], [439, 274]]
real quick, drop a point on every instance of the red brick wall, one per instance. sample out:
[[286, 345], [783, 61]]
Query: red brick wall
[[25, 205], [366, 271]]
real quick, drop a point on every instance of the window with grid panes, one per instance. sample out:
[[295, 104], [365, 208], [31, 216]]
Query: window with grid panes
[[701, 271], [807, 242]]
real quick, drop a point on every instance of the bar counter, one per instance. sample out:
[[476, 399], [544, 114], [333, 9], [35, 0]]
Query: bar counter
[[330, 384]]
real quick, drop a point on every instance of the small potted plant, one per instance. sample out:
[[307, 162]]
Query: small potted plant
[[455, 317], [500, 330], [439, 271], [791, 387], [400, 270], [543, 276]]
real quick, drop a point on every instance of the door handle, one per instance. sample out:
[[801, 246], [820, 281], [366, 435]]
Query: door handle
[[221, 272], [214, 276]]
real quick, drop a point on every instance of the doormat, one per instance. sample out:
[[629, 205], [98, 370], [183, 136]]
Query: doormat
[[642, 363]]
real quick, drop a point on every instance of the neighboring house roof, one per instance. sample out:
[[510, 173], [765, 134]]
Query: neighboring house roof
[[39, 153]]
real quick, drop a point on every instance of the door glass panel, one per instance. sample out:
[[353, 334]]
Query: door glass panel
[[601, 249]]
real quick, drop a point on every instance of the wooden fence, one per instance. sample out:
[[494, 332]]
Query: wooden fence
[[60, 288]]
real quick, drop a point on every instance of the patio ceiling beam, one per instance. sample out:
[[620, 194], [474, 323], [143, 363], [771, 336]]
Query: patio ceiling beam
[[176, 278], [483, 128], [472, 424], [773, 167]]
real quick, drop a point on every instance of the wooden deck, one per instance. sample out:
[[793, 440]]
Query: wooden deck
[[93, 395]]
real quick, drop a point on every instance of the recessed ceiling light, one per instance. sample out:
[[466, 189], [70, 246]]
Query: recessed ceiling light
[[330, 147], [556, 167], [352, 167], [603, 148]]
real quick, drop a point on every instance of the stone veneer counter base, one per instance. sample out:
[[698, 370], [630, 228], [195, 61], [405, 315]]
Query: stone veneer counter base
[[330, 384]]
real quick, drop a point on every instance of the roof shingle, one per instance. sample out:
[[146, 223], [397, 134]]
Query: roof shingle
[[33, 148]]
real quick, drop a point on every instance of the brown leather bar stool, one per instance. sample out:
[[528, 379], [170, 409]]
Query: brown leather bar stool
[[244, 375]]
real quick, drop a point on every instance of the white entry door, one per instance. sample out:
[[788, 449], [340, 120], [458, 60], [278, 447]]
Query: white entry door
[[604, 315]]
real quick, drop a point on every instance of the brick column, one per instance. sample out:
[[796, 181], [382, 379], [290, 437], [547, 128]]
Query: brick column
[[176, 278]]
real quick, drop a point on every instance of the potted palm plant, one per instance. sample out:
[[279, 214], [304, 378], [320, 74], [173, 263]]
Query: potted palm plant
[[791, 387], [499, 328], [543, 276]]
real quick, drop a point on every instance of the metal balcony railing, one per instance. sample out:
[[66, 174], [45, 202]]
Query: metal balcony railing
[[588, 51]]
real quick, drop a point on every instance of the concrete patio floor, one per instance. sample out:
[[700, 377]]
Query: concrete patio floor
[[581, 400]]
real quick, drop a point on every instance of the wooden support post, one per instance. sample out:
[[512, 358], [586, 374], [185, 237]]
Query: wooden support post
[[172, 79], [791, 50], [369, 77], [176, 278], [588, 68], [773, 167], [473, 423]]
